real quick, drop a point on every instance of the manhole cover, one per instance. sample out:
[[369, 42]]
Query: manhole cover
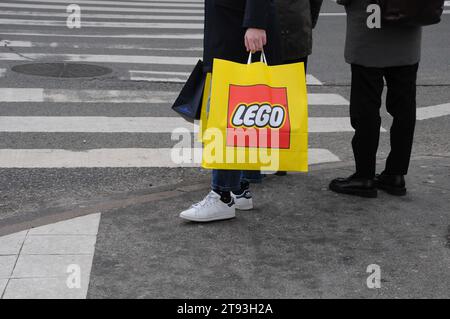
[[62, 70]]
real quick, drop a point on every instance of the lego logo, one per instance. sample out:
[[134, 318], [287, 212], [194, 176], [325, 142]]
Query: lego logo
[[259, 116]]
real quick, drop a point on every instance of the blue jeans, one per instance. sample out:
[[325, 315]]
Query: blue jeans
[[230, 181]]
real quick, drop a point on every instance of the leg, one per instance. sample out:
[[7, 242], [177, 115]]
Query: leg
[[230, 184], [401, 104], [226, 181], [254, 177], [243, 198], [365, 103]]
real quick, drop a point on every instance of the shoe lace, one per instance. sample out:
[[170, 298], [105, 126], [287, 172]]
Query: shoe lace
[[207, 201]]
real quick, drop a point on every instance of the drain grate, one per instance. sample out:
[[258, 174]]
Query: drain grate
[[62, 70]]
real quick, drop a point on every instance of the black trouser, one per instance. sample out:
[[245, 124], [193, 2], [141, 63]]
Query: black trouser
[[365, 104]]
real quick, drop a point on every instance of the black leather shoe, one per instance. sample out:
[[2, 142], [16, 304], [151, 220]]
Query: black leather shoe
[[281, 173], [391, 184], [353, 185]]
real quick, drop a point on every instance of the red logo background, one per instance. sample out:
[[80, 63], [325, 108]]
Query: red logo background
[[258, 94]]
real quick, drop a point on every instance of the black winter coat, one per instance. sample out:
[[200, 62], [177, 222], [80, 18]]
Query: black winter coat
[[297, 20], [389, 46], [226, 22]]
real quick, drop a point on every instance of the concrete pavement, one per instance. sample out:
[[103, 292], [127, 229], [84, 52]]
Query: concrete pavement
[[301, 241]]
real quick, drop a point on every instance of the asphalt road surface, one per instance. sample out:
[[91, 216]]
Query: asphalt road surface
[[69, 140]]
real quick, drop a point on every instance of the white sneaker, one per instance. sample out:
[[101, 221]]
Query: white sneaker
[[244, 201], [210, 209]]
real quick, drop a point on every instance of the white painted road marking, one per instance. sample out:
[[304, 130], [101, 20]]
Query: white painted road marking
[[93, 124], [128, 3], [429, 112], [99, 124], [181, 77], [30, 44], [331, 125], [14, 43], [326, 99], [156, 76], [42, 256], [85, 96], [118, 158], [2, 72], [312, 80], [181, 36], [101, 58], [122, 96], [21, 95], [113, 24], [107, 16], [102, 9]]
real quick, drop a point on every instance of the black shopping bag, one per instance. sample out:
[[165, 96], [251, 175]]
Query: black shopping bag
[[189, 102]]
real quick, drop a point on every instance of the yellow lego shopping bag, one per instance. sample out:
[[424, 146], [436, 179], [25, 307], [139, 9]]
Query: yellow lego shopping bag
[[258, 118]]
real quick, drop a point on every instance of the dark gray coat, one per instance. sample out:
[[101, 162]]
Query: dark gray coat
[[297, 20], [385, 47], [226, 22]]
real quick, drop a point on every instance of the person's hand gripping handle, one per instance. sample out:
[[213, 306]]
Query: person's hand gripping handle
[[255, 40]]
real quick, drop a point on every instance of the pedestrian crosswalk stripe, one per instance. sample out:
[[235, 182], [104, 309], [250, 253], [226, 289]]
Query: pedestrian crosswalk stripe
[[101, 58], [181, 77], [78, 45], [85, 96], [93, 124], [100, 124], [16, 44], [21, 95], [107, 16], [425, 113], [331, 125], [103, 9], [156, 76], [181, 36], [122, 96], [447, 3], [113, 24], [127, 3], [120, 158], [326, 99], [312, 80]]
